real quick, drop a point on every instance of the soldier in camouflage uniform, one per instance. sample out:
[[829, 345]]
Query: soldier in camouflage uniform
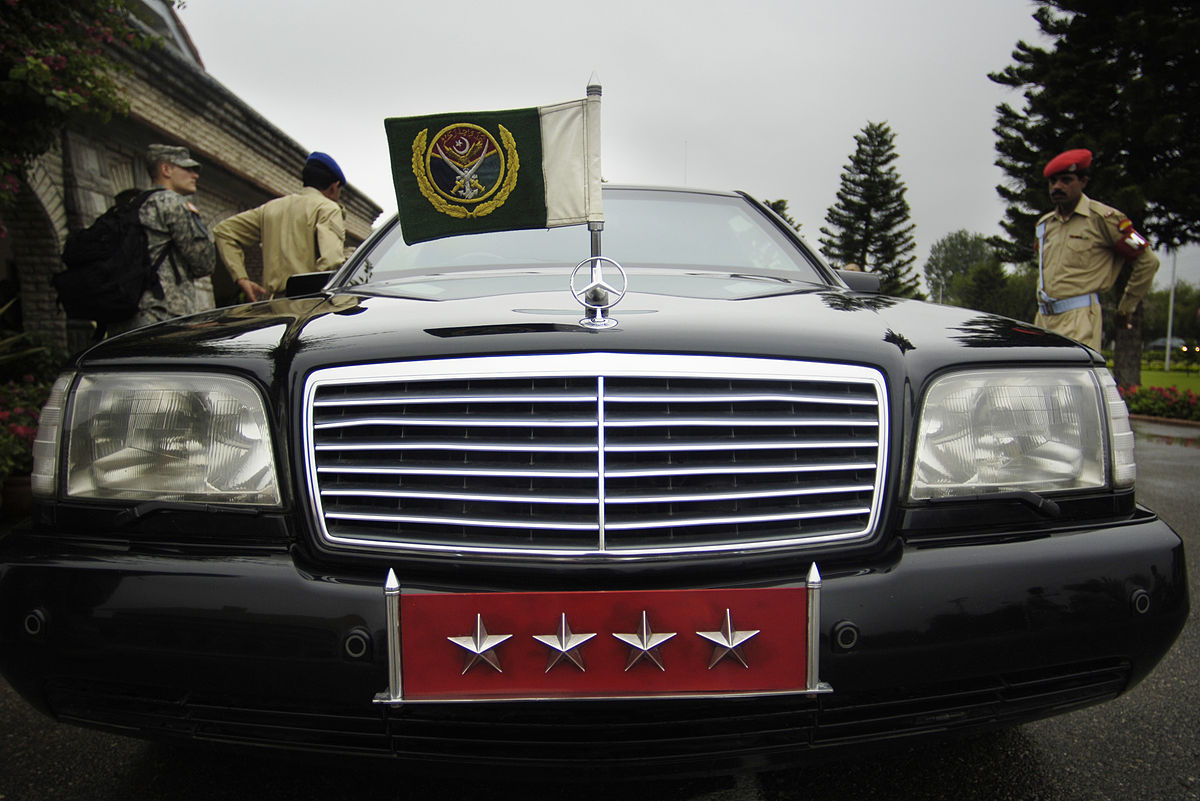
[[173, 224]]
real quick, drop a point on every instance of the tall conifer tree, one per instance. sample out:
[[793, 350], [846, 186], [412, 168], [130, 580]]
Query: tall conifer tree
[[780, 207], [1122, 80], [870, 223]]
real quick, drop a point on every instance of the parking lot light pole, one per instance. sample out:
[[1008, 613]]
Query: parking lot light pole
[[1170, 312]]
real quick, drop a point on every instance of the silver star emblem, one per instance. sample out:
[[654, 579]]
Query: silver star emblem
[[727, 641], [479, 646], [644, 643], [564, 643]]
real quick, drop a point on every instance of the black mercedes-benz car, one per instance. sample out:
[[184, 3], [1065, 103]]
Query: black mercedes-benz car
[[699, 504]]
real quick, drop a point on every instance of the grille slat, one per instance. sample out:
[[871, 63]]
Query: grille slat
[[618, 421], [738, 469], [736, 496], [616, 454], [472, 420], [612, 526], [432, 470], [458, 496], [475, 398], [681, 446], [739, 398], [452, 521], [732, 521], [474, 445]]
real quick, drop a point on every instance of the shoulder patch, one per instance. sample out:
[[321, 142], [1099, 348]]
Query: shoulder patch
[[1130, 243]]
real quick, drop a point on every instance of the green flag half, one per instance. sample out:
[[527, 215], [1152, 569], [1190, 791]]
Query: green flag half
[[496, 170]]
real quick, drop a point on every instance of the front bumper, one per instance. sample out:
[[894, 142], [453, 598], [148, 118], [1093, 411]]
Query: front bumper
[[257, 650]]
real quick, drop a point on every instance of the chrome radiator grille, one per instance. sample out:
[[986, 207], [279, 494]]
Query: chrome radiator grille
[[590, 453]]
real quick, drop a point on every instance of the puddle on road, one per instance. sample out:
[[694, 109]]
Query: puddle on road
[[1186, 443], [1167, 435]]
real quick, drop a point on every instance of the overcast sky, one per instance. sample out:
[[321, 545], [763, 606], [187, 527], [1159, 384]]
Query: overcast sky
[[764, 96]]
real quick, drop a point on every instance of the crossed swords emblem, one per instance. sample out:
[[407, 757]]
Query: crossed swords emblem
[[467, 186]]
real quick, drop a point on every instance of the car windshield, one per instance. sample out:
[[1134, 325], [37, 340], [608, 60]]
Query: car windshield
[[643, 228]]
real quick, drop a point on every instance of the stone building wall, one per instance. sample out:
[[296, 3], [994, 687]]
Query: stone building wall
[[245, 161], [37, 227]]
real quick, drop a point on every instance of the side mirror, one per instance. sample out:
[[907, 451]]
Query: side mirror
[[302, 284], [856, 280]]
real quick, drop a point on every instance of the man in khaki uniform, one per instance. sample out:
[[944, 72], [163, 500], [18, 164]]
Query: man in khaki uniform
[[1082, 245], [300, 233]]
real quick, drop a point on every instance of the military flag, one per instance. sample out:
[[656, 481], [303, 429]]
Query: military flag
[[497, 170]]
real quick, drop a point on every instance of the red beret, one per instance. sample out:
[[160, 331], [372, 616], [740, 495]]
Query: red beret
[[1071, 161]]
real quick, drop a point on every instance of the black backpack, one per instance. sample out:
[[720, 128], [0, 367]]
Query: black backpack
[[108, 266]]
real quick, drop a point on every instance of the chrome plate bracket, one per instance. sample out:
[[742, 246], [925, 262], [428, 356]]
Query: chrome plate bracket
[[394, 694], [395, 691], [815, 685]]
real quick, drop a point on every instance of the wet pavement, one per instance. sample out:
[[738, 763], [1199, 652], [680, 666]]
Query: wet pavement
[[1158, 431], [1144, 745]]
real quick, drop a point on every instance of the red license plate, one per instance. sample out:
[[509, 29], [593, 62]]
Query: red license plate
[[656, 643]]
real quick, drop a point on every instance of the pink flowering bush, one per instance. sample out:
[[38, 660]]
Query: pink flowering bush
[[59, 60], [1162, 402], [20, 403]]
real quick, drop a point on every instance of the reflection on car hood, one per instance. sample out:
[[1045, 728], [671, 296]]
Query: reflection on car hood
[[687, 312], [463, 285]]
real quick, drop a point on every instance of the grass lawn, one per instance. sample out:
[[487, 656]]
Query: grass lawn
[[1181, 381]]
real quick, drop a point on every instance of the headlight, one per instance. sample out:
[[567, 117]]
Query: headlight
[[1002, 430], [169, 436]]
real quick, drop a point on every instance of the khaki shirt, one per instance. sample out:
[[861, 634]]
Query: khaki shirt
[[1077, 255], [299, 233]]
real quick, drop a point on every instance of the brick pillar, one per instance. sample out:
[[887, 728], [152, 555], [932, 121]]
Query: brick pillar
[[35, 254]]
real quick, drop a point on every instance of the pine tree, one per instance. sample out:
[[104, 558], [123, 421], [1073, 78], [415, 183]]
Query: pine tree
[[1122, 80], [780, 207], [870, 224]]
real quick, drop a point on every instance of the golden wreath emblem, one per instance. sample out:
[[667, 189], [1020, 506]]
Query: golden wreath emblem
[[464, 172]]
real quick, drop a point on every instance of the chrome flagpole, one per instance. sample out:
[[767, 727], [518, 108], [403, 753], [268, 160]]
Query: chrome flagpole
[[595, 228]]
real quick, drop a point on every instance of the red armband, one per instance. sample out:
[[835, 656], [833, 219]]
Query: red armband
[[1130, 243]]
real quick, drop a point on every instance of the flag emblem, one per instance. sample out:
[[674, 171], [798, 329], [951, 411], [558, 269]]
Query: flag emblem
[[463, 170], [475, 172]]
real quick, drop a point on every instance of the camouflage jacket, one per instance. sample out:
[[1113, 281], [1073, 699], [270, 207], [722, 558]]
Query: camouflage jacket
[[172, 223]]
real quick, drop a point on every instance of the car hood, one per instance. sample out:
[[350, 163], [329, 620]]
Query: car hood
[[699, 313]]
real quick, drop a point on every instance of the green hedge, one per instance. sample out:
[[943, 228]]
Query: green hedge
[[1162, 402]]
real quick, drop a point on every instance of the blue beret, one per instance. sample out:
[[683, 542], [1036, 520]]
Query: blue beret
[[326, 161]]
